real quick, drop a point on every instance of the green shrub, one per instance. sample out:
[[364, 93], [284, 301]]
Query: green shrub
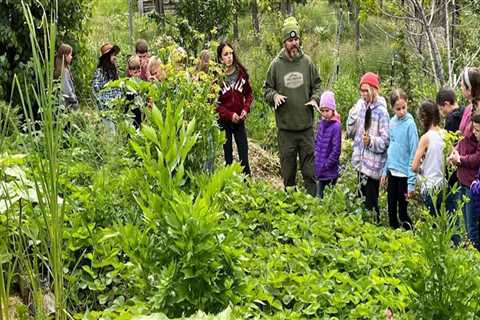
[[194, 98], [346, 94], [183, 248], [204, 17]]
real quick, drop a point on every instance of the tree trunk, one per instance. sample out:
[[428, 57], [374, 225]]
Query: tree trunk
[[440, 12], [235, 26], [351, 18], [449, 48], [337, 44], [159, 7], [286, 7], [356, 17], [255, 22], [130, 23], [435, 53], [456, 11]]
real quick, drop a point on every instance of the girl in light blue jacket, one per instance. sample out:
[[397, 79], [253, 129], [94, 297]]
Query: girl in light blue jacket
[[398, 175]]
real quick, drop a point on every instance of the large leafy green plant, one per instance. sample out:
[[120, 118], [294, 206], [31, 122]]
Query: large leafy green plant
[[180, 253], [195, 99]]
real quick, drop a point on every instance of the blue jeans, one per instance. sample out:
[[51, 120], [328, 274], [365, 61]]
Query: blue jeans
[[470, 216]]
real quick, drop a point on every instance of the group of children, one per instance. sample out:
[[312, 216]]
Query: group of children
[[388, 152], [233, 103], [140, 65]]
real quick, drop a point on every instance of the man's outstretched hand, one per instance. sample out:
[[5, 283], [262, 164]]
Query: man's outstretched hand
[[278, 99]]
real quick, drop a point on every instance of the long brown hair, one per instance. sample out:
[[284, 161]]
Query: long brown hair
[[60, 59], [429, 114], [471, 80], [236, 62]]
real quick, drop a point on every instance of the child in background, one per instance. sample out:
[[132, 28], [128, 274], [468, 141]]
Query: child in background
[[449, 109], [234, 102], [133, 67], [398, 175], [328, 144], [155, 69], [367, 125], [203, 62], [202, 68], [452, 113], [156, 73], [63, 60], [134, 71], [428, 162], [106, 71], [141, 51]]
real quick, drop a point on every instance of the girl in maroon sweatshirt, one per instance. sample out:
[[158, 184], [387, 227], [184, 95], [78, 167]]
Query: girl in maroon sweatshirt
[[234, 104], [466, 155]]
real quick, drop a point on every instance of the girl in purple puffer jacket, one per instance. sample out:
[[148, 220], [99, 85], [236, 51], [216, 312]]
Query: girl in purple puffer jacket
[[328, 144]]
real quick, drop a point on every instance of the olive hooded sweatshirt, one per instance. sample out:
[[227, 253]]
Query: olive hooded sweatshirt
[[299, 81]]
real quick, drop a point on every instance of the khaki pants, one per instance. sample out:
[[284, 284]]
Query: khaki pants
[[291, 144]]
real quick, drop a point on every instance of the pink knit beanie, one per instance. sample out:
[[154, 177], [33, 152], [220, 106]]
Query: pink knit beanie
[[327, 100]]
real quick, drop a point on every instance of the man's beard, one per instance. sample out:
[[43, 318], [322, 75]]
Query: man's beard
[[293, 52]]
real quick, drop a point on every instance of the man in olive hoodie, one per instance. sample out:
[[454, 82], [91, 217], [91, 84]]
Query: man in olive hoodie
[[293, 89]]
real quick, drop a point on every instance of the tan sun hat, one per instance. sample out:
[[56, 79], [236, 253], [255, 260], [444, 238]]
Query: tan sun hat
[[107, 47]]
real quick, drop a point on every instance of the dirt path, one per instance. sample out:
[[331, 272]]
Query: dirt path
[[264, 164]]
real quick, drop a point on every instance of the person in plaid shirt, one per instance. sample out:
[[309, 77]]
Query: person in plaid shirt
[[105, 72], [368, 126]]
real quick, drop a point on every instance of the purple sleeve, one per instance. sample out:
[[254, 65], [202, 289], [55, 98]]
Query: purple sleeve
[[318, 164], [475, 188], [475, 191], [334, 156]]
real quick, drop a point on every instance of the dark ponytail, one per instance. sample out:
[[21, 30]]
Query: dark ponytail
[[396, 95], [429, 114]]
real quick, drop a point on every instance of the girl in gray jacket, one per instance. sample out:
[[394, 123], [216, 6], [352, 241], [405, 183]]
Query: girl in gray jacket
[[63, 60]]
